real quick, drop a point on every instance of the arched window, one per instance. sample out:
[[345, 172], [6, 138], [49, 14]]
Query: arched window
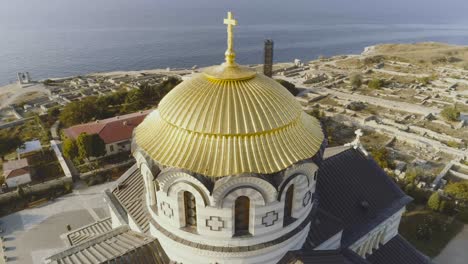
[[288, 206], [241, 216], [190, 210], [155, 196]]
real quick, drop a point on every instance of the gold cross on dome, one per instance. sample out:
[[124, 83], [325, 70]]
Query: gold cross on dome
[[230, 54]]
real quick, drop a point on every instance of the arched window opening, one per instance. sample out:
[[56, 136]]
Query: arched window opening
[[155, 196], [190, 210], [288, 206], [241, 216]]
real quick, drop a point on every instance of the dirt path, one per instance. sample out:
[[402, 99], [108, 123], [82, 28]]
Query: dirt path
[[9, 93]]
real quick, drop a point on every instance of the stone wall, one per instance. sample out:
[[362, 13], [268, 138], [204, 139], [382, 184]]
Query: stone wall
[[215, 214]]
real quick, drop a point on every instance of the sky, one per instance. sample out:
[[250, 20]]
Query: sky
[[26, 14]]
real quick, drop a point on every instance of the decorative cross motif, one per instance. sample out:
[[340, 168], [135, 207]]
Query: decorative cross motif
[[270, 218], [167, 210], [306, 199], [215, 223], [231, 23]]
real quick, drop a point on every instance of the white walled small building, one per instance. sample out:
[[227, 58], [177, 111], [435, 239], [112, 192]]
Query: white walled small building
[[16, 172], [229, 169]]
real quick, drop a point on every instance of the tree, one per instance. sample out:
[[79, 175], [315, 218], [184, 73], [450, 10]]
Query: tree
[[450, 113], [134, 101], [8, 143], [289, 86], [70, 149], [356, 81], [412, 174], [53, 112], [90, 146], [375, 83], [381, 156], [434, 202], [49, 82], [458, 190], [79, 111]]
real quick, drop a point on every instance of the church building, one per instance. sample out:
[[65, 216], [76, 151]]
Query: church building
[[230, 169]]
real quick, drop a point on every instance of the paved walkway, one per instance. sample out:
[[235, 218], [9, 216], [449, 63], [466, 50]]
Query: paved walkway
[[31, 235], [456, 251], [54, 130]]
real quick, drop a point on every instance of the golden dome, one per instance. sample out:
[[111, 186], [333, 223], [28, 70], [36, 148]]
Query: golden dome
[[229, 120]]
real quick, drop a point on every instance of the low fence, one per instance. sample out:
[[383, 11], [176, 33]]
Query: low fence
[[29, 194]]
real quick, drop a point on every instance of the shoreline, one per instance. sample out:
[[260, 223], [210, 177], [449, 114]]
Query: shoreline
[[365, 51]]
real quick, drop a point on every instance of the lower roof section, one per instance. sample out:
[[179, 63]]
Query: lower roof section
[[87, 232], [121, 245], [322, 257], [352, 187], [130, 195], [398, 251]]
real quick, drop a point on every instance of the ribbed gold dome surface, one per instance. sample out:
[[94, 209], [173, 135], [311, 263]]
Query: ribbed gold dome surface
[[226, 127], [229, 107], [229, 120]]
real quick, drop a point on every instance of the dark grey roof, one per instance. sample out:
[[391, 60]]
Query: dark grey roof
[[353, 188], [353, 257], [129, 193], [121, 245], [398, 251], [323, 226], [320, 257], [332, 151]]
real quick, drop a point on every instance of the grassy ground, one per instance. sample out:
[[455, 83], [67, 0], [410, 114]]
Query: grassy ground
[[426, 53], [443, 229]]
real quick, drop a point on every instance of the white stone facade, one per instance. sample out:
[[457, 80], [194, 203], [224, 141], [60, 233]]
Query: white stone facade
[[380, 235], [117, 147], [215, 213]]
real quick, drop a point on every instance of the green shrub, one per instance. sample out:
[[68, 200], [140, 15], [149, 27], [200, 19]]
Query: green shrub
[[375, 83], [289, 86], [409, 188], [424, 80], [450, 113], [356, 81], [453, 144], [458, 190], [412, 174], [434, 202], [382, 158], [70, 148], [315, 112]]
